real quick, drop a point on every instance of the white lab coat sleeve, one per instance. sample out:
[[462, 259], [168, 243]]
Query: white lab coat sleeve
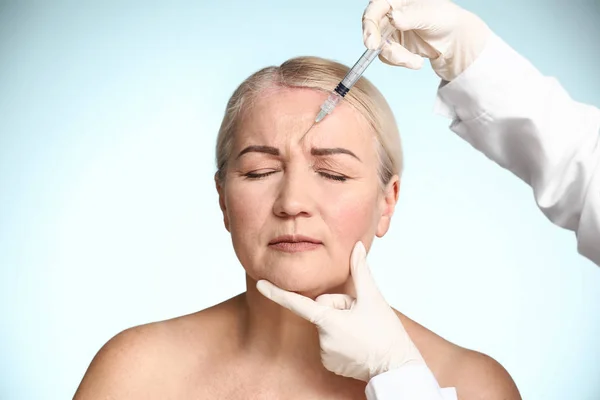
[[527, 123], [410, 382]]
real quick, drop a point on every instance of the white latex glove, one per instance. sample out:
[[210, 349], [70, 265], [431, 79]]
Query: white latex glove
[[360, 338], [448, 35]]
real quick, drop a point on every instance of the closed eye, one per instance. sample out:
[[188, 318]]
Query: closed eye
[[256, 176], [335, 177], [327, 175]]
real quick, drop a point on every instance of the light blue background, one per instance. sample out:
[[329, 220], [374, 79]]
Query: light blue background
[[109, 217]]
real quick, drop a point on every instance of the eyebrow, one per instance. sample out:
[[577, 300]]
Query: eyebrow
[[315, 151], [259, 149]]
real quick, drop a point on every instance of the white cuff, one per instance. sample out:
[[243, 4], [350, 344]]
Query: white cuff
[[410, 382]]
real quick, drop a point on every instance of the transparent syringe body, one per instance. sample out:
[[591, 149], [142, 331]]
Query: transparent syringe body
[[354, 74], [366, 59]]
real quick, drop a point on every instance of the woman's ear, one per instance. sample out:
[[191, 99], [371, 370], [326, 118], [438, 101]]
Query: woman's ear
[[220, 191], [388, 201]]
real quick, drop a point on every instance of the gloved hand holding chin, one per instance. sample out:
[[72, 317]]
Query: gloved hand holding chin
[[359, 337]]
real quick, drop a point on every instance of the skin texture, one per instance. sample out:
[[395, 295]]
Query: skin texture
[[248, 346], [302, 194]]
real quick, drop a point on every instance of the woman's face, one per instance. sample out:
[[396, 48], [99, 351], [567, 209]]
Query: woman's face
[[296, 207]]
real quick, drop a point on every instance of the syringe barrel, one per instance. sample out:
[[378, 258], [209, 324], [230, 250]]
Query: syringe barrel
[[365, 60], [359, 68]]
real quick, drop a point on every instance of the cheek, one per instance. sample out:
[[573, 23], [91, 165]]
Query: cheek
[[246, 209], [353, 218], [247, 217]]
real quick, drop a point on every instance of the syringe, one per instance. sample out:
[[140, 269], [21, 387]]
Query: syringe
[[353, 75]]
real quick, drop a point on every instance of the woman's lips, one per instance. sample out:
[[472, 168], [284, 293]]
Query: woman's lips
[[295, 243], [295, 247]]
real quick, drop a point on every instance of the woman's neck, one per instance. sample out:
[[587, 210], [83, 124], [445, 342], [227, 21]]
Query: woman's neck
[[285, 347], [277, 335]]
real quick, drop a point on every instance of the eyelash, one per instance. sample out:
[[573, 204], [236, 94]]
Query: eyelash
[[254, 176], [339, 178]]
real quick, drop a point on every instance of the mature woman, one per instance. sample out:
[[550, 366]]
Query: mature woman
[[296, 198]]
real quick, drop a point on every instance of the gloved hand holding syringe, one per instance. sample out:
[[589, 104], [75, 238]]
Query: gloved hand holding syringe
[[354, 74]]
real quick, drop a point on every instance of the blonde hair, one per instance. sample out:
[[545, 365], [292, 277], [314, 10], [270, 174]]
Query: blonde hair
[[320, 74]]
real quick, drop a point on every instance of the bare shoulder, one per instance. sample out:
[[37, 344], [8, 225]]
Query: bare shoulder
[[475, 376], [149, 361], [123, 365], [478, 376]]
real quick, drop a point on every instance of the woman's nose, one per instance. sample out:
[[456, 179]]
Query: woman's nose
[[295, 197]]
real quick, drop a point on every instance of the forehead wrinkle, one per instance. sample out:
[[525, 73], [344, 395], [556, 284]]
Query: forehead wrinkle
[[286, 131], [283, 140], [277, 124], [321, 138]]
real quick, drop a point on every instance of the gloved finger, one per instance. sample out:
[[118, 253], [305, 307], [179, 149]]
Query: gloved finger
[[412, 18], [338, 301], [385, 61], [361, 275], [298, 304], [373, 14], [371, 34], [395, 54]]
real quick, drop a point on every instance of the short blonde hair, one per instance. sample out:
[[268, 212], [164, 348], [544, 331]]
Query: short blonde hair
[[319, 74]]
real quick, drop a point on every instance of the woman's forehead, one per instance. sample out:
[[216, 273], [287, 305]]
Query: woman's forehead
[[285, 114]]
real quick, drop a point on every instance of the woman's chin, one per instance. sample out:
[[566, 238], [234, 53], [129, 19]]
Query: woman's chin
[[311, 288]]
